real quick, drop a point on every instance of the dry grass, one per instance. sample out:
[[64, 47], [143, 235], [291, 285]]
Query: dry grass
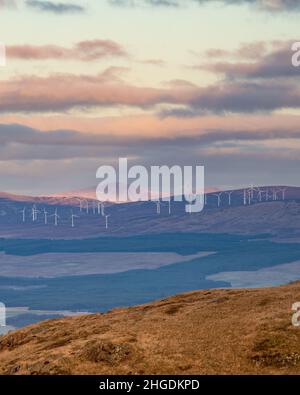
[[205, 332]]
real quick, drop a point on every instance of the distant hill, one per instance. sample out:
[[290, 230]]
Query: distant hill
[[274, 210], [204, 332]]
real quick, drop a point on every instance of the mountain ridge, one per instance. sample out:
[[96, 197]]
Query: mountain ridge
[[279, 217]]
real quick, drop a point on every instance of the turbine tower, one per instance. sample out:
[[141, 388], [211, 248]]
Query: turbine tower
[[106, 220], [245, 197], [56, 217], [102, 209], [229, 193], [274, 194], [23, 214], [250, 196], [252, 189], [283, 191], [218, 195], [45, 216], [80, 204], [158, 207], [260, 194], [73, 216], [33, 212]]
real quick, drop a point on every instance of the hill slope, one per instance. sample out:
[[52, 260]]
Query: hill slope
[[216, 331], [275, 217]]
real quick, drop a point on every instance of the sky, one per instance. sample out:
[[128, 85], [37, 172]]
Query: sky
[[161, 82]]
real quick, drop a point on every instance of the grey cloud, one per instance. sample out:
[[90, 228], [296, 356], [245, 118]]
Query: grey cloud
[[154, 3], [56, 8], [268, 5], [274, 64], [242, 97], [19, 142], [64, 92], [45, 162]]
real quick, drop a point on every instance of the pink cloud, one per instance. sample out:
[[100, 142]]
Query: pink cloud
[[64, 92], [61, 92], [84, 51]]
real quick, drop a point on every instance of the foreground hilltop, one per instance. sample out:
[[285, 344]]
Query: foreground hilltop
[[213, 331]]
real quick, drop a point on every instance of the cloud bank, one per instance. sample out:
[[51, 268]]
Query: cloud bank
[[267, 5], [55, 8]]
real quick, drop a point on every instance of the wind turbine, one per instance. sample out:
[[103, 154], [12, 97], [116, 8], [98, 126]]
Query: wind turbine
[[229, 193], [23, 214], [245, 197], [283, 191], [252, 189], [56, 217], [33, 213], [218, 195], [36, 213], [260, 194], [274, 194], [72, 219], [169, 203], [106, 220], [250, 196], [80, 204], [102, 208], [45, 216], [158, 207]]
